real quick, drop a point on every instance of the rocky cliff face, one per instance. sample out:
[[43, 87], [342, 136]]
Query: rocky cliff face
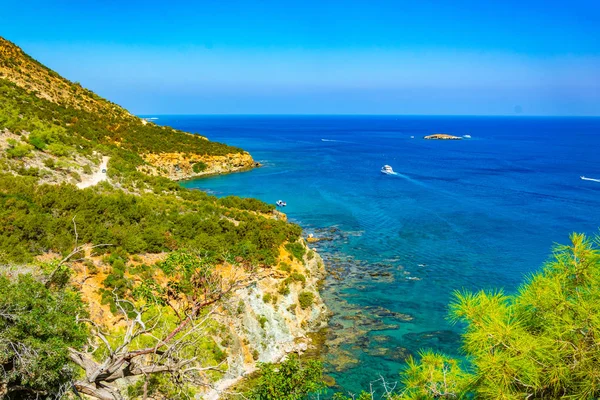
[[180, 166], [272, 321], [262, 322]]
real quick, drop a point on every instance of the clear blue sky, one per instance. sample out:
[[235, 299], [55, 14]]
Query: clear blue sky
[[321, 57]]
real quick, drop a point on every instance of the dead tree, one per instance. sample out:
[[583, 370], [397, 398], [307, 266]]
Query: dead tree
[[77, 250], [193, 308]]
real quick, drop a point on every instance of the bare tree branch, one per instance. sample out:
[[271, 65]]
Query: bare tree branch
[[194, 312]]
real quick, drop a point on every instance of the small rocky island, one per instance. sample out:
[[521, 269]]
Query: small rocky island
[[442, 136]]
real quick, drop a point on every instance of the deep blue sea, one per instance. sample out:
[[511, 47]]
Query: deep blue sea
[[473, 214]]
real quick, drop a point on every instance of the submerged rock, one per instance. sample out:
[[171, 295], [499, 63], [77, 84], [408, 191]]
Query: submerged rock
[[430, 338]]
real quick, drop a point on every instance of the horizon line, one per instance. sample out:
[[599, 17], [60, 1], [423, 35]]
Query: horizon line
[[367, 115]]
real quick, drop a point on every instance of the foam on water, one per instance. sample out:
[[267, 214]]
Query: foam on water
[[590, 179]]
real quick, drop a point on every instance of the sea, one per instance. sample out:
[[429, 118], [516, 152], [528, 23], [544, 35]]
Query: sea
[[481, 213]]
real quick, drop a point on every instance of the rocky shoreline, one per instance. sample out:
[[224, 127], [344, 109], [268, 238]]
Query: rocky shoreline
[[182, 166], [270, 322]]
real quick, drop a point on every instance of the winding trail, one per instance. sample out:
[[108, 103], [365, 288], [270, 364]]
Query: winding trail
[[97, 177]]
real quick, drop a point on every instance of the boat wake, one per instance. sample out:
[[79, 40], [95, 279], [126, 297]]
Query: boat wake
[[337, 141], [405, 177], [589, 179], [411, 180]]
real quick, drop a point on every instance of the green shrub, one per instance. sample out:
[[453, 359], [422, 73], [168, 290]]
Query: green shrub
[[49, 162], [293, 379], [91, 267], [249, 204], [262, 320], [284, 289], [59, 150], [32, 171], [36, 332], [285, 267], [536, 343], [296, 277], [199, 167], [267, 297], [37, 142], [296, 249], [306, 299], [19, 150]]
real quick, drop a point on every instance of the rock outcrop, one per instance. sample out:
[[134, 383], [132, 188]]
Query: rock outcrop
[[181, 166], [272, 322], [442, 136], [262, 322]]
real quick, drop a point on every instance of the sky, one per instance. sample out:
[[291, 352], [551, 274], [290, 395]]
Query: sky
[[321, 57]]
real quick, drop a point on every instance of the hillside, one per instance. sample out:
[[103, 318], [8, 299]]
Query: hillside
[[57, 117], [18, 67], [116, 282]]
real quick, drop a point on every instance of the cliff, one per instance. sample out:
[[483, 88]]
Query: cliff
[[272, 321], [261, 322], [179, 166]]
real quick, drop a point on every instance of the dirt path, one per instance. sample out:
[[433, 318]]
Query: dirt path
[[96, 177]]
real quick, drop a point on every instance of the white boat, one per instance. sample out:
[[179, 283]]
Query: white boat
[[386, 169], [467, 136], [281, 203]]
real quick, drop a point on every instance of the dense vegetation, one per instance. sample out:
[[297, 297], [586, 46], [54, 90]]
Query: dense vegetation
[[60, 120], [20, 111], [36, 219], [63, 132], [293, 379], [44, 100], [541, 342], [37, 326]]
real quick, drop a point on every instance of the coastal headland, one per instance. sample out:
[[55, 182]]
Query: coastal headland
[[185, 285]]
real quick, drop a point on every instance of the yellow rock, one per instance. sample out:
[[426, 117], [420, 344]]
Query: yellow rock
[[179, 166], [442, 136]]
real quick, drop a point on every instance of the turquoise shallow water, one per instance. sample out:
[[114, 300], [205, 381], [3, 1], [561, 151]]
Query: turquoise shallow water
[[477, 213]]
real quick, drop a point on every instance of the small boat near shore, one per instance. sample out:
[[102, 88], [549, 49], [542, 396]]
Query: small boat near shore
[[281, 203]]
